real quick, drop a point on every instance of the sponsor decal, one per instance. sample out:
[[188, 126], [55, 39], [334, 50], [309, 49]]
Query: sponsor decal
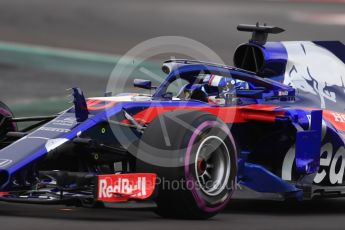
[[54, 143], [4, 162], [312, 76], [68, 121], [53, 129], [332, 158], [283, 93], [332, 166], [122, 187], [337, 119]]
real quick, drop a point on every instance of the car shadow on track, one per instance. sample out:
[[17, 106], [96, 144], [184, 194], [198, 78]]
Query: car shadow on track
[[248, 207], [73, 213], [312, 207]]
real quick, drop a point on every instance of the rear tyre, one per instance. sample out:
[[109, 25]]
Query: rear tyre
[[194, 155]]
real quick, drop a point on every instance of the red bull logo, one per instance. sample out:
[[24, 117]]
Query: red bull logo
[[122, 187]]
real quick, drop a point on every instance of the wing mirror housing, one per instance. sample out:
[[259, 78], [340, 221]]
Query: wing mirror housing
[[143, 84]]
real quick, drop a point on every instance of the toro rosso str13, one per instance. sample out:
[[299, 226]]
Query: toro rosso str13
[[273, 124]]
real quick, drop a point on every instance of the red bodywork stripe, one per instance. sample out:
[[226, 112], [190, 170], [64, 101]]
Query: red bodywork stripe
[[241, 114], [99, 104], [4, 194], [335, 118]]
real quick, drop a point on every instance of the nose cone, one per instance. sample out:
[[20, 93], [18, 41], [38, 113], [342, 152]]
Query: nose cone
[[32, 147]]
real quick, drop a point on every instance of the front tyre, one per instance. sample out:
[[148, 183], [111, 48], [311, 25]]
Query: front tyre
[[194, 155]]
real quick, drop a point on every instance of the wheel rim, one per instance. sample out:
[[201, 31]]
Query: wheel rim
[[212, 166]]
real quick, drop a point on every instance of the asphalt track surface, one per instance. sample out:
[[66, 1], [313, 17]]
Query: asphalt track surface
[[241, 214], [114, 27]]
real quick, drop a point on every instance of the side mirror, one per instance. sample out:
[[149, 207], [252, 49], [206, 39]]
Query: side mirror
[[141, 83]]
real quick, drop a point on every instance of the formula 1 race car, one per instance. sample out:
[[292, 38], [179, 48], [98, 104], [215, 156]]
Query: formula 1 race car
[[274, 124]]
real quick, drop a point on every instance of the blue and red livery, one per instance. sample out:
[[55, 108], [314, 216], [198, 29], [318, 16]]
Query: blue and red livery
[[273, 125]]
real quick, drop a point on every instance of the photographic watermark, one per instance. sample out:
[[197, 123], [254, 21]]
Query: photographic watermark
[[138, 63], [190, 185]]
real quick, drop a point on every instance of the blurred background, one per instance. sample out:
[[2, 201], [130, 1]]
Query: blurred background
[[47, 46]]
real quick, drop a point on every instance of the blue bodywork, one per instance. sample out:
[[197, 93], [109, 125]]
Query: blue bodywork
[[264, 88]]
